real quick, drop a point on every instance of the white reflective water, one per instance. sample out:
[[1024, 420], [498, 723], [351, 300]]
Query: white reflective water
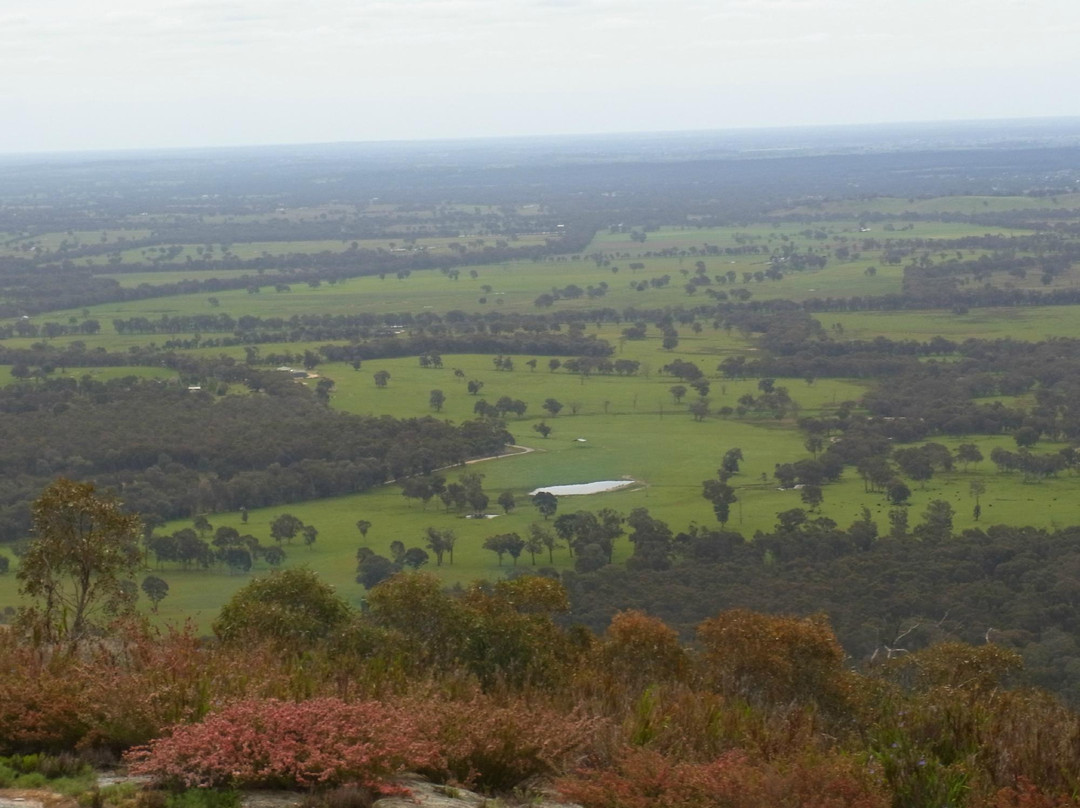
[[583, 488]]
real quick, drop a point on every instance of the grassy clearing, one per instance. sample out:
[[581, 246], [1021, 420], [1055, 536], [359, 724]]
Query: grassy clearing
[[342, 246], [968, 205], [99, 374], [1034, 323], [50, 242]]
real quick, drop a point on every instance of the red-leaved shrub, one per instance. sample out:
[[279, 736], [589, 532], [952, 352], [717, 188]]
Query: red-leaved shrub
[[1026, 795], [495, 746], [642, 778], [270, 743]]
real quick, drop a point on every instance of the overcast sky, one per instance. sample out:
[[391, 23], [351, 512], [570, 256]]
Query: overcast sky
[[76, 74]]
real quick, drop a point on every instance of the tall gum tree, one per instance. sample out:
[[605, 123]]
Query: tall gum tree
[[83, 551]]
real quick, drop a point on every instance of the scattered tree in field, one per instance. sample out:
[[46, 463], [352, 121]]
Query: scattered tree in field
[[322, 389], [372, 570], [507, 501], [397, 551], [678, 392], [543, 428], [156, 589], [226, 535], [533, 545], [1026, 437], [274, 556], [977, 489], [441, 542], [514, 545], [812, 496], [437, 400], [722, 496], [546, 539], [422, 488], [497, 545], [552, 406], [545, 502], [968, 453], [381, 378], [310, 534], [731, 460], [237, 559], [554, 364], [897, 492], [505, 543], [84, 549], [699, 408], [474, 386], [285, 527], [414, 557], [363, 525]]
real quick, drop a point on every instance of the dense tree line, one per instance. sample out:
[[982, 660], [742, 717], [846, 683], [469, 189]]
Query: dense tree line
[[1015, 585], [175, 452]]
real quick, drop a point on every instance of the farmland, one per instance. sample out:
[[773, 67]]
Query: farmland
[[216, 296]]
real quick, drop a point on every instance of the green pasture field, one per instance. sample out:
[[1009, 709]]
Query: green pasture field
[[667, 458], [774, 235], [102, 374], [631, 428], [969, 205], [257, 249], [129, 280], [13, 244], [515, 286], [1029, 323]]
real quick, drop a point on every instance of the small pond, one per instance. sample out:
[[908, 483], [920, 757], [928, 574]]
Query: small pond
[[583, 488]]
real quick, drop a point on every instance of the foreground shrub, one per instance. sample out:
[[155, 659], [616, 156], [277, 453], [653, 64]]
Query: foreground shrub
[[1026, 795], [769, 659], [496, 746], [276, 744], [642, 778], [293, 607], [639, 650]]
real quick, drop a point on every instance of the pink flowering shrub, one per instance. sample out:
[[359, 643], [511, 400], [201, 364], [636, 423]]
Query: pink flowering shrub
[[278, 744]]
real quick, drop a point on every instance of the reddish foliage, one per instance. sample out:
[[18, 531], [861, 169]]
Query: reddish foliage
[[1026, 795], [646, 779], [496, 746], [639, 648], [775, 659], [270, 743], [40, 701]]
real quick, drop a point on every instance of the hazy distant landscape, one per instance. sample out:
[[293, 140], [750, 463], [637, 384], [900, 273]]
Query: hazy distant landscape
[[837, 370]]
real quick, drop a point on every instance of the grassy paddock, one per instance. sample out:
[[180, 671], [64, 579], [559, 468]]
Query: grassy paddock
[[632, 427], [1034, 323]]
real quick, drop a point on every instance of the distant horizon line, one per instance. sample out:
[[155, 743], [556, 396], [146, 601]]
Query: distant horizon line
[[131, 151]]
